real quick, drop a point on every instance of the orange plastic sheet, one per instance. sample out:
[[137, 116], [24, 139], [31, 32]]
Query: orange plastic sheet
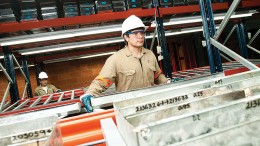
[[84, 128]]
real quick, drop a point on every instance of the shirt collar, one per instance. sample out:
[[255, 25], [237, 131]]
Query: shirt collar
[[128, 53]]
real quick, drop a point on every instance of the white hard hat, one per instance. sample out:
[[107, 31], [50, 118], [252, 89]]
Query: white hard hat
[[43, 75], [132, 22]]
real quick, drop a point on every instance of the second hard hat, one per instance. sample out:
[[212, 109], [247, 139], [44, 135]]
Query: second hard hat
[[132, 22], [43, 75]]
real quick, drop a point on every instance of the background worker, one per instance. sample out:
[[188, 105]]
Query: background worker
[[45, 88], [130, 68]]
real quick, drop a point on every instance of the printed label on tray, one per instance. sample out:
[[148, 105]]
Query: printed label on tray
[[31, 135]]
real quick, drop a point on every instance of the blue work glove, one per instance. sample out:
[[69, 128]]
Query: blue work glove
[[177, 79], [85, 99], [59, 90]]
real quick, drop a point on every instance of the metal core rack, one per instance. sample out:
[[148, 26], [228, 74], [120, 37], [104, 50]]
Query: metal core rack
[[205, 106]]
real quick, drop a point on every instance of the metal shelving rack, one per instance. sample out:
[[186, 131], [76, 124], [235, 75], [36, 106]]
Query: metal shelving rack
[[212, 36], [15, 26], [53, 104], [209, 32]]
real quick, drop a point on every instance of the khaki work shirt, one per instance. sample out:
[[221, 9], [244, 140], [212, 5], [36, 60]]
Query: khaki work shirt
[[128, 72], [50, 90]]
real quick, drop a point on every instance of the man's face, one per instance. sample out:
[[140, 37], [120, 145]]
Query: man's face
[[136, 38], [43, 82]]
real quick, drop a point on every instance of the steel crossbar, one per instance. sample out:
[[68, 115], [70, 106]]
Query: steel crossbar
[[169, 90], [232, 54], [108, 100], [176, 99], [254, 49]]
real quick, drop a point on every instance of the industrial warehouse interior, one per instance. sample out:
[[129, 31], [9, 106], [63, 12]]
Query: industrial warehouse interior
[[129, 72]]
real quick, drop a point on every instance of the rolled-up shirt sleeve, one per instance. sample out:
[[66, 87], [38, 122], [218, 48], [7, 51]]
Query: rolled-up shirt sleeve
[[159, 77], [105, 78]]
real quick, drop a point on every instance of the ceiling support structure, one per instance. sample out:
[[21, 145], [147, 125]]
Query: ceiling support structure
[[226, 19], [9, 65], [212, 39], [162, 40], [212, 32], [253, 38], [232, 54], [3, 102], [225, 41], [207, 37], [250, 42], [27, 74], [103, 17], [242, 41]]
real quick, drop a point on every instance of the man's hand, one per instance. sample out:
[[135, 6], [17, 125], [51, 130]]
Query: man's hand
[[85, 99]]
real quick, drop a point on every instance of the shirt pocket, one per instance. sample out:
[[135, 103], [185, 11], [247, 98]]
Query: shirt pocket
[[128, 72], [126, 78], [150, 73]]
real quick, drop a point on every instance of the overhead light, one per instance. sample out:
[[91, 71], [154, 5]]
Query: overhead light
[[194, 19], [58, 35], [103, 29], [1, 57], [97, 55], [183, 31], [97, 42], [234, 16], [186, 30], [79, 57], [68, 46]]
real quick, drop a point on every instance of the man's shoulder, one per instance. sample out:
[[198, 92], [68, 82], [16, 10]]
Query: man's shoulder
[[117, 55], [38, 88], [50, 85], [120, 52], [148, 52]]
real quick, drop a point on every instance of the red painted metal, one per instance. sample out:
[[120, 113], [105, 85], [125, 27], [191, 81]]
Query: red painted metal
[[40, 107], [250, 3], [28, 25], [53, 103], [15, 26], [237, 70], [190, 9], [67, 95]]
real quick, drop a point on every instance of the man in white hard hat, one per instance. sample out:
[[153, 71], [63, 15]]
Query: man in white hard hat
[[45, 88], [130, 68]]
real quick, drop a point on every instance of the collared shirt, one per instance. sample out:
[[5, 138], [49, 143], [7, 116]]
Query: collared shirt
[[39, 91], [128, 72]]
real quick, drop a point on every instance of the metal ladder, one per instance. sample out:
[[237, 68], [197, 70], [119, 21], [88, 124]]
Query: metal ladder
[[41, 102]]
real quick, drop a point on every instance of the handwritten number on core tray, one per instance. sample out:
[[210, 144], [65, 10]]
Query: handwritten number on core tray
[[161, 103]]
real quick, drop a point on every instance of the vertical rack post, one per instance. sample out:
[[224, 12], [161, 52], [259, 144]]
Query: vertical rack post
[[243, 33], [9, 65], [162, 40], [207, 37], [212, 31], [240, 41], [27, 74]]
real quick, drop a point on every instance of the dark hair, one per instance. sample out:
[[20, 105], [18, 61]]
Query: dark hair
[[126, 33]]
